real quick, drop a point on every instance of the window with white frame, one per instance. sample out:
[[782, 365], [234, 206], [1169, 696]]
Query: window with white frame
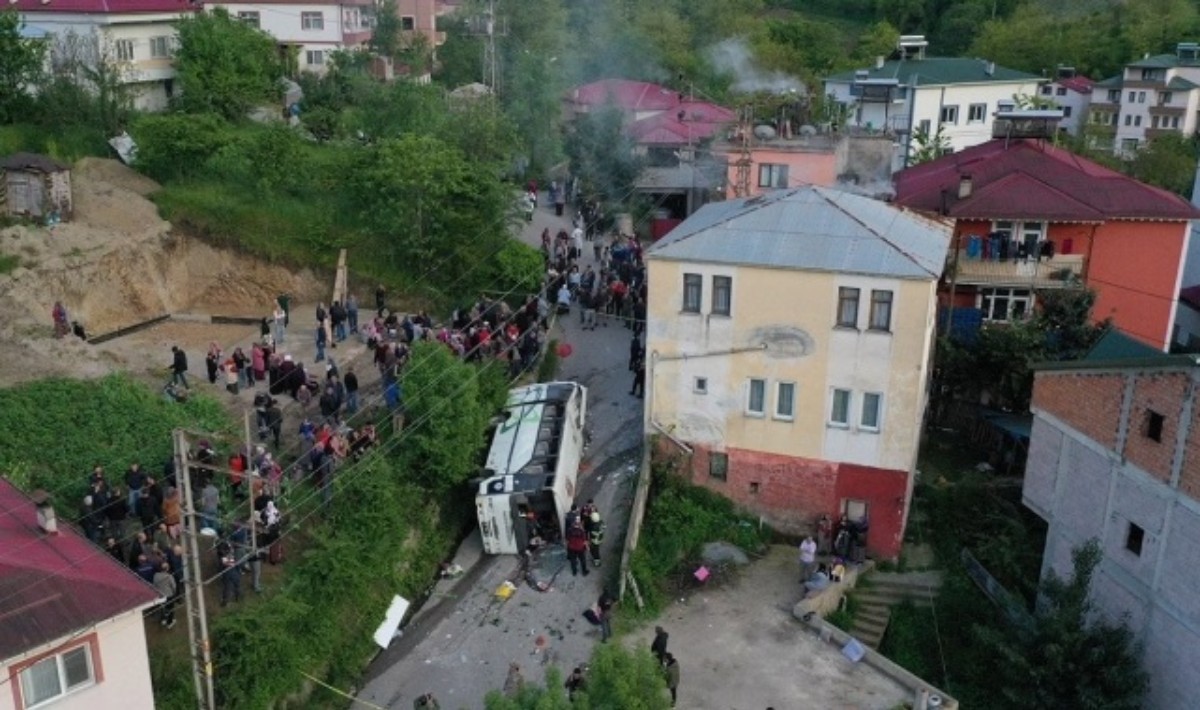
[[785, 400], [1060, 91], [1066, 111], [160, 47], [1005, 304], [1114, 96], [125, 50], [57, 675], [314, 57], [881, 310], [872, 404], [772, 175], [976, 113], [839, 410], [722, 295], [312, 20], [250, 18], [1164, 98], [847, 313], [693, 291], [924, 126], [756, 397], [949, 114]]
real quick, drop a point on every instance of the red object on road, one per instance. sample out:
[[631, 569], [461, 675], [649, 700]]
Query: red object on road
[[565, 350]]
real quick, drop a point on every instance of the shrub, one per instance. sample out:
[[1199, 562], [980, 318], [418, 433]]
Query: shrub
[[173, 146], [548, 367], [56, 430]]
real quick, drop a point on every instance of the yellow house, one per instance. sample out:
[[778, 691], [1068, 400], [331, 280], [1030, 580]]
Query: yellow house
[[789, 340]]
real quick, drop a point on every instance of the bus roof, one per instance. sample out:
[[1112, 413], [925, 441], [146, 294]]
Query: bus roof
[[533, 414]]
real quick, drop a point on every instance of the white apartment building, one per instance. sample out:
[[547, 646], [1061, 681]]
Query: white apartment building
[[1152, 96], [137, 35], [311, 30], [915, 92], [1072, 94]]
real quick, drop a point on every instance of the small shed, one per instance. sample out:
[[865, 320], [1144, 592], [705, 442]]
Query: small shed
[[36, 186]]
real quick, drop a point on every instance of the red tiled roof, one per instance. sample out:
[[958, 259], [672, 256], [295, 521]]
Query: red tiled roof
[[628, 95], [55, 585], [1079, 84], [700, 120], [104, 6], [1030, 179]]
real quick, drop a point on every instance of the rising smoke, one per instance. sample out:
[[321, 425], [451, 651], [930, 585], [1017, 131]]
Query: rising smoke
[[734, 57]]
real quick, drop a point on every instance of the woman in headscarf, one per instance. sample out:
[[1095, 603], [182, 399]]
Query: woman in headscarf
[[213, 362]]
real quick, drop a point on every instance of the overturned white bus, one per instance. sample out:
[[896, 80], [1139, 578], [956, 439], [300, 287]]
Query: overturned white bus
[[529, 479]]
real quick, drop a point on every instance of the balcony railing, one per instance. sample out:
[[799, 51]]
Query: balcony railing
[[1162, 110], [1058, 271]]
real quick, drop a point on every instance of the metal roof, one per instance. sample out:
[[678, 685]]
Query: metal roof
[[813, 229], [55, 585], [937, 71]]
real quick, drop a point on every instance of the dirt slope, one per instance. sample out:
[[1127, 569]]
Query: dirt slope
[[115, 264]]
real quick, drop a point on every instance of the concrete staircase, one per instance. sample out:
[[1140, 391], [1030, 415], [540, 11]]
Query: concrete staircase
[[878, 592]]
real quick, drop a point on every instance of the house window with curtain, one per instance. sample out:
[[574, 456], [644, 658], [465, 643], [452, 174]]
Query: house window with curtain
[[881, 310], [839, 411], [722, 295], [872, 403], [58, 675], [312, 20], [1005, 304], [693, 289], [847, 313], [772, 175], [785, 400], [756, 399]]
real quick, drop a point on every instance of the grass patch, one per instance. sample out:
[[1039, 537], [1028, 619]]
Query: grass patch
[[56, 430], [843, 616], [680, 519], [67, 143], [9, 263]]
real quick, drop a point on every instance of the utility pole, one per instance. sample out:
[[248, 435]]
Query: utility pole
[[193, 582], [489, 26], [255, 563]]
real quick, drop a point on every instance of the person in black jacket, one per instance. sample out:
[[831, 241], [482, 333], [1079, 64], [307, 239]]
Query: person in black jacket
[[179, 367]]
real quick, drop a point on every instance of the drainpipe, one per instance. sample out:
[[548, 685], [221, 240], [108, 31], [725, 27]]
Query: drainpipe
[[656, 358]]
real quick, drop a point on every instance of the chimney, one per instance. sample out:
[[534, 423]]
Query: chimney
[[47, 520], [965, 186], [879, 61]]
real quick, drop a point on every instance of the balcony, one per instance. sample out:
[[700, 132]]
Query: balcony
[[1059, 271], [356, 35], [1152, 133], [1161, 110], [1144, 83]]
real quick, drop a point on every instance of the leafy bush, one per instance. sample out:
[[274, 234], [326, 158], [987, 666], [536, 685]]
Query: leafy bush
[[617, 679], [67, 143], [548, 366], [173, 146], [680, 519], [56, 430]]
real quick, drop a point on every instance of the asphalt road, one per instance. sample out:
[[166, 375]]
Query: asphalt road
[[461, 648]]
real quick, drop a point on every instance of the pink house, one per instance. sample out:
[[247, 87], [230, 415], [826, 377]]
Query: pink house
[[71, 630]]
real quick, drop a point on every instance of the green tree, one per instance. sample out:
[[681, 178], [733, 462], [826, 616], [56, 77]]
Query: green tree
[[429, 208], [1154, 26], [173, 146], [928, 146], [445, 417], [617, 679], [385, 39], [20, 64], [1074, 658], [225, 66], [602, 155], [1167, 161]]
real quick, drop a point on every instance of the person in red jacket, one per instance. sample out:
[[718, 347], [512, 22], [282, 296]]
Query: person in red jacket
[[577, 548]]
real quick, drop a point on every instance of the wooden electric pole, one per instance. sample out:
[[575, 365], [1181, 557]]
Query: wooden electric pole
[[193, 582]]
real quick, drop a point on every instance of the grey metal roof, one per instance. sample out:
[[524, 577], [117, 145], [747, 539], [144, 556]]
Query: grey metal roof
[[814, 229]]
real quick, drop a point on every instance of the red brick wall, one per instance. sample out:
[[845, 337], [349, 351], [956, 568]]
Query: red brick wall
[[1189, 478], [1163, 393], [1089, 403], [792, 493]]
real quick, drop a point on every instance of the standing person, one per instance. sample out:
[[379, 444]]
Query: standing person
[[337, 315], [639, 378], [659, 646], [595, 531], [320, 342], [135, 478], [274, 417], [179, 367], [604, 612], [352, 313], [164, 582], [577, 546], [59, 314], [212, 362], [279, 319], [672, 671], [576, 682], [635, 352], [231, 574], [380, 299], [824, 535], [210, 505], [284, 301], [351, 383], [808, 558], [560, 201]]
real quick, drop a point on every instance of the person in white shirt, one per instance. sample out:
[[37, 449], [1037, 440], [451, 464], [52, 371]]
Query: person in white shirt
[[808, 558]]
